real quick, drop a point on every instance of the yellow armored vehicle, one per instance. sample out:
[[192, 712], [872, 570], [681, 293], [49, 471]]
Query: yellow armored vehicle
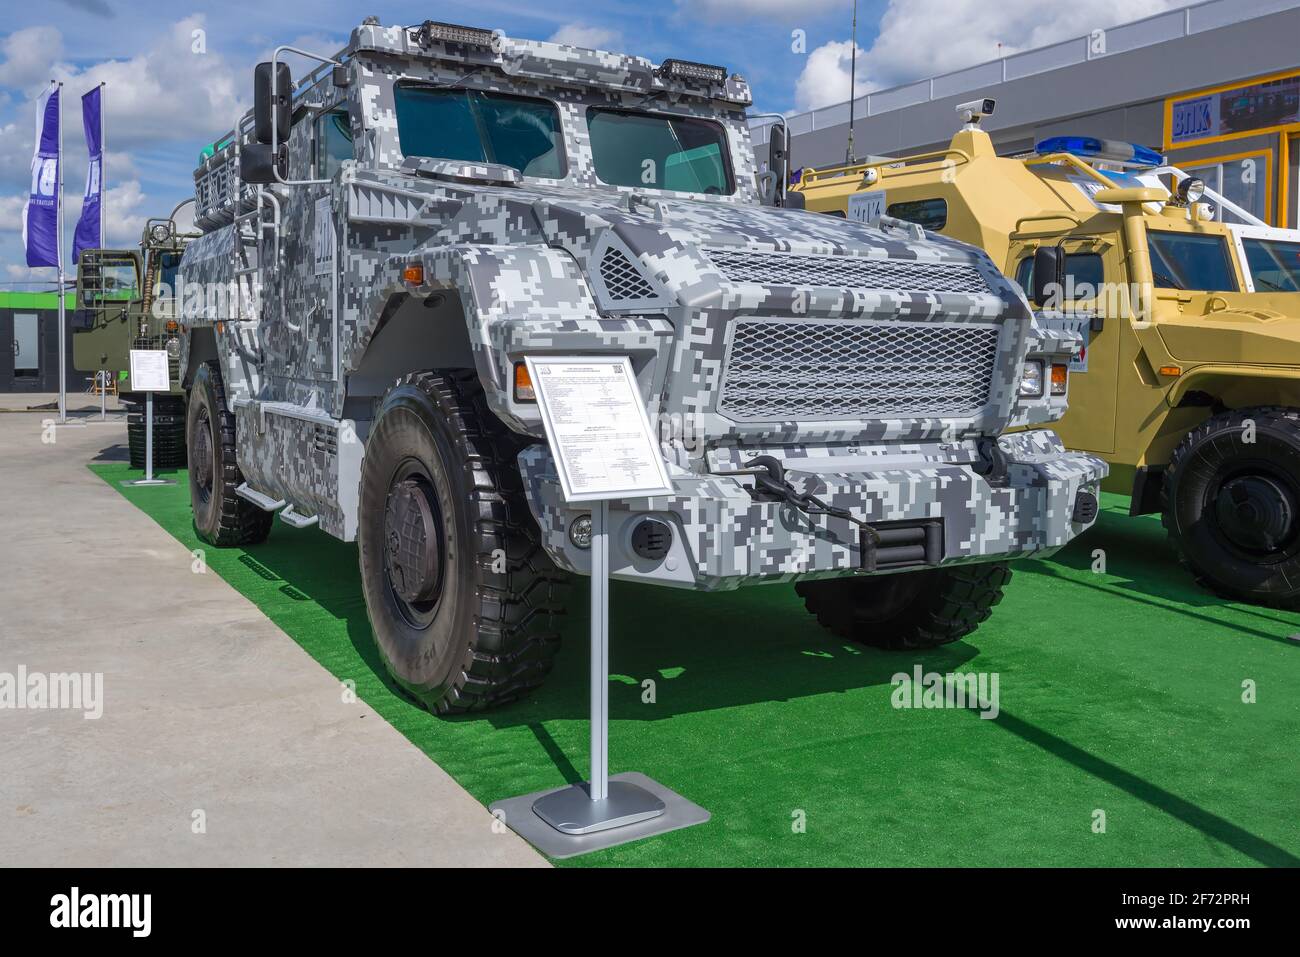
[[1189, 385]]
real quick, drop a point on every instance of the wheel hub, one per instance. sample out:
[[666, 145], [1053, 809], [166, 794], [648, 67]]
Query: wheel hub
[[1255, 512], [201, 454], [413, 541]]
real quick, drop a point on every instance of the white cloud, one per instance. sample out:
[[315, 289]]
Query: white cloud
[[920, 38], [27, 57], [21, 275], [775, 9], [167, 93], [825, 77], [11, 213], [588, 37]]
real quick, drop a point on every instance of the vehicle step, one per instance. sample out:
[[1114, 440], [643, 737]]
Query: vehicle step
[[264, 502], [290, 517]]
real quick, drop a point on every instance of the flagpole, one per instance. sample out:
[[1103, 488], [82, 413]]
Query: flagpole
[[63, 331], [103, 161]]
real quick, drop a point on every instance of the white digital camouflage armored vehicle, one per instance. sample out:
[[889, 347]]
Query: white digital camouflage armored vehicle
[[434, 203]]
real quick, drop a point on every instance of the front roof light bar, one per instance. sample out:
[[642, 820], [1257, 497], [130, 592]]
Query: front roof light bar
[[686, 70], [1110, 151], [431, 31]]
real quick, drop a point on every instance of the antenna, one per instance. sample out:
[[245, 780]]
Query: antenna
[[853, 81]]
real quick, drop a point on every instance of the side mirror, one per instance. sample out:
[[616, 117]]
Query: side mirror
[[1049, 274], [272, 100], [258, 165], [778, 162]]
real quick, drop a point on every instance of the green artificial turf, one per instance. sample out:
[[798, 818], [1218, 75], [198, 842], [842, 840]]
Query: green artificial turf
[[1119, 691]]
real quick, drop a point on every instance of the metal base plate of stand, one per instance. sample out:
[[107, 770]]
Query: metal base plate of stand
[[522, 816], [572, 810], [155, 481]]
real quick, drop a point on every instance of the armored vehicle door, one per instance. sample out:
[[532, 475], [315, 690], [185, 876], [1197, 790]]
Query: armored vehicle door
[[300, 279], [1092, 273], [108, 282]]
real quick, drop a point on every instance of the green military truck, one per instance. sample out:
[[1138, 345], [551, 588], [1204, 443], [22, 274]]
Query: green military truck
[[127, 299]]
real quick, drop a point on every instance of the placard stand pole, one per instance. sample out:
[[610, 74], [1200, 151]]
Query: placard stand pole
[[148, 438], [599, 804], [148, 448], [103, 395], [600, 651]]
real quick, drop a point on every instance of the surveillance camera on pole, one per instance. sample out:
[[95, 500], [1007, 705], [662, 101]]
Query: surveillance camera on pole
[[972, 112]]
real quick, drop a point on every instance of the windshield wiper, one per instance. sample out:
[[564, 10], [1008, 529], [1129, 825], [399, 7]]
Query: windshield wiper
[[1171, 282]]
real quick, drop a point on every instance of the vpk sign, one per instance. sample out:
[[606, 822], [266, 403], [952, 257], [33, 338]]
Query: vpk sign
[[1194, 119]]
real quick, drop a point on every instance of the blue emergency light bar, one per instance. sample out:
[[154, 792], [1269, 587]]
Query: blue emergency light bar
[[1113, 151]]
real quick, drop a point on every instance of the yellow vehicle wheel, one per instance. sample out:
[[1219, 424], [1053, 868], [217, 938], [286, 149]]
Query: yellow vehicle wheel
[[1231, 504]]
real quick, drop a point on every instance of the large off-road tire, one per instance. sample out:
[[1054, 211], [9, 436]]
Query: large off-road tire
[[1231, 504], [908, 610], [462, 598], [220, 516]]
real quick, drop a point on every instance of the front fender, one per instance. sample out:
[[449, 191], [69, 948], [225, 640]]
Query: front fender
[[1239, 386], [505, 286]]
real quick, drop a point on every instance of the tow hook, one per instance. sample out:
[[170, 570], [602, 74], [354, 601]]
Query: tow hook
[[992, 463], [770, 481]]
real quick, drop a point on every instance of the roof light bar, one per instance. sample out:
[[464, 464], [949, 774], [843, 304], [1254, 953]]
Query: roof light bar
[[1113, 151], [686, 70], [431, 31]]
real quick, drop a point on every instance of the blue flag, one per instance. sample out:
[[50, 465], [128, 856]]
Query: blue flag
[[92, 118], [41, 215]]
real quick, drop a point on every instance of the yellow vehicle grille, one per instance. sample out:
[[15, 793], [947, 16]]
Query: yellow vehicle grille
[[807, 370]]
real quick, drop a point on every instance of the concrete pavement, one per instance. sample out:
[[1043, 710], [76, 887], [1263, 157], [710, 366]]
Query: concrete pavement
[[211, 714]]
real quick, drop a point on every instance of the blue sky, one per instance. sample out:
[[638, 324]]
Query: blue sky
[[166, 99]]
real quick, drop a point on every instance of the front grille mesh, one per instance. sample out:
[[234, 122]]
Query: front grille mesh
[[623, 281], [848, 272], [792, 369]]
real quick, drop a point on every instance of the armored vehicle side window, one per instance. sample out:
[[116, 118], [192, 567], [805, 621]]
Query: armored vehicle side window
[[478, 127], [1274, 266], [1189, 261], [659, 151], [333, 142], [927, 213], [1084, 274]]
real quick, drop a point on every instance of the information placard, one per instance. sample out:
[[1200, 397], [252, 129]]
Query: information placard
[[596, 423], [149, 370]]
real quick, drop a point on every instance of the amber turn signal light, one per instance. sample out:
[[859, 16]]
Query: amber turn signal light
[[1060, 376], [414, 274], [1170, 370], [523, 384]]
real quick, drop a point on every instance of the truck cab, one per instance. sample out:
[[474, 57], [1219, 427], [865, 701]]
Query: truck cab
[[1192, 326], [129, 299]]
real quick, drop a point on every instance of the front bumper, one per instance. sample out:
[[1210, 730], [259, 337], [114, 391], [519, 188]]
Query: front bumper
[[723, 538]]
